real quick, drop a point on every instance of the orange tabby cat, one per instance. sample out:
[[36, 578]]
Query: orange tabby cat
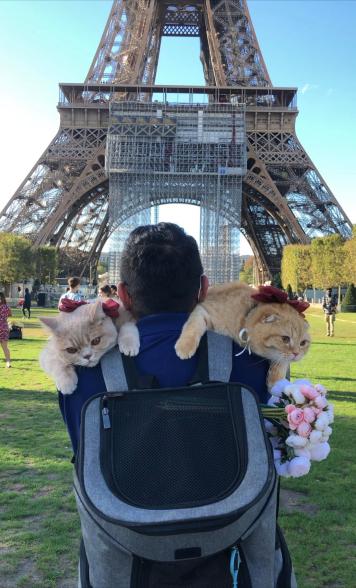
[[268, 326]]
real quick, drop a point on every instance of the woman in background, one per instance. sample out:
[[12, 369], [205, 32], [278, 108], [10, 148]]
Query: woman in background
[[5, 312], [105, 293]]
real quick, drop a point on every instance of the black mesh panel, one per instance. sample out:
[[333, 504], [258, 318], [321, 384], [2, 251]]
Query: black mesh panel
[[172, 449]]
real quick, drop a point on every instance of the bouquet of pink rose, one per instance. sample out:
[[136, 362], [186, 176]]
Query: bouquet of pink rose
[[298, 419]]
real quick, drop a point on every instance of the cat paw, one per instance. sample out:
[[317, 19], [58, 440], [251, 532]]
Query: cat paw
[[67, 384], [129, 345], [186, 347]]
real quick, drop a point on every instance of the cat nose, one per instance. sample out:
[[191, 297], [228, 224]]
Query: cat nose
[[87, 356]]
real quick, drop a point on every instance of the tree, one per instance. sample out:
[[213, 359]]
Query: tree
[[46, 264], [246, 273], [350, 259], [328, 261], [296, 264], [349, 302], [16, 259]]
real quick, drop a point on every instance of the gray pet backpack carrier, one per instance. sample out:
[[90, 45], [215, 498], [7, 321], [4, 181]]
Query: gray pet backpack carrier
[[176, 488]]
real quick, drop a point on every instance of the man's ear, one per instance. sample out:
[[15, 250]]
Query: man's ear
[[204, 285], [124, 295]]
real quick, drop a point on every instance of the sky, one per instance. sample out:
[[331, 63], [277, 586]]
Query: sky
[[309, 44]]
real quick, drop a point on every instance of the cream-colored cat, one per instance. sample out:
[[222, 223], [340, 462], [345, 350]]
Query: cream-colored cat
[[273, 330], [81, 338]]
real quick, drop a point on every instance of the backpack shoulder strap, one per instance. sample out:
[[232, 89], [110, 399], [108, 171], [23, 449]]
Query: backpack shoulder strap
[[219, 361], [219, 357], [113, 371]]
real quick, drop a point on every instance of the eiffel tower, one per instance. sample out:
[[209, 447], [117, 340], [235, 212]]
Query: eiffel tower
[[63, 201]]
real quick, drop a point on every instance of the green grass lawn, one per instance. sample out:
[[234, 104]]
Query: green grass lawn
[[39, 533]]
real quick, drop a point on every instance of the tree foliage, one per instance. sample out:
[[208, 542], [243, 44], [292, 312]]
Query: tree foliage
[[349, 302], [46, 264], [350, 259], [296, 264], [328, 261], [246, 273], [19, 260], [16, 258]]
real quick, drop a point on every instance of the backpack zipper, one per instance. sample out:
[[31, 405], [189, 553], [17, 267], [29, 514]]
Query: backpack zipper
[[235, 561]]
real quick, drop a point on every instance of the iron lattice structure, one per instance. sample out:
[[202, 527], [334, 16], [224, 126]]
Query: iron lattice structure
[[64, 199], [194, 153]]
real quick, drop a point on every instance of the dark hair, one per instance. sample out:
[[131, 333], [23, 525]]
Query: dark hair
[[161, 268], [26, 290], [2, 298], [113, 287], [73, 282], [106, 289]]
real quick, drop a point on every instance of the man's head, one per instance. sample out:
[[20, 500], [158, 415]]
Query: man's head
[[161, 271], [329, 291]]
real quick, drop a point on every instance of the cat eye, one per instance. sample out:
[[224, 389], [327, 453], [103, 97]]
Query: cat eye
[[286, 339], [302, 343], [71, 350], [96, 341]]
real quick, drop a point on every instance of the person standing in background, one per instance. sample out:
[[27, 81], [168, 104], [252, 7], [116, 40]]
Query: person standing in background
[[72, 292], [114, 294], [5, 312], [105, 293], [26, 305], [330, 308]]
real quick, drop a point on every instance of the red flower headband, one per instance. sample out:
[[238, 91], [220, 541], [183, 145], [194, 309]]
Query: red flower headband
[[272, 294], [110, 307]]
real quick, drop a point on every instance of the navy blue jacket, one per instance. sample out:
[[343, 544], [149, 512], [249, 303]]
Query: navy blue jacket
[[157, 357]]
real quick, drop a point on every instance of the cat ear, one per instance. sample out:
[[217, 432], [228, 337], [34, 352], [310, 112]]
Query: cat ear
[[270, 318], [96, 312], [50, 322]]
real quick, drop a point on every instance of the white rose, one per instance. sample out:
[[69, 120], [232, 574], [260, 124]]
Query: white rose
[[296, 441], [330, 412], [322, 421], [326, 434], [320, 451], [302, 452], [321, 389], [299, 466], [315, 436], [282, 468], [294, 392], [278, 388]]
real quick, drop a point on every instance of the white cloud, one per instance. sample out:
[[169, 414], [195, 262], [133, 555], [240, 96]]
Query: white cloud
[[308, 87]]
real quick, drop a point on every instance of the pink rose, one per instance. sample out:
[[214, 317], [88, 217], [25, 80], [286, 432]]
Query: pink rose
[[295, 417], [289, 408], [309, 415], [309, 392], [316, 410], [304, 429], [320, 401]]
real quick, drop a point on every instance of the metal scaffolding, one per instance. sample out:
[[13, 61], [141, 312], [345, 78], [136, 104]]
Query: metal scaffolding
[[196, 153]]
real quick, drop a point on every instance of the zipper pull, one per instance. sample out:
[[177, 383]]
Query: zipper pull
[[105, 414], [235, 561]]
